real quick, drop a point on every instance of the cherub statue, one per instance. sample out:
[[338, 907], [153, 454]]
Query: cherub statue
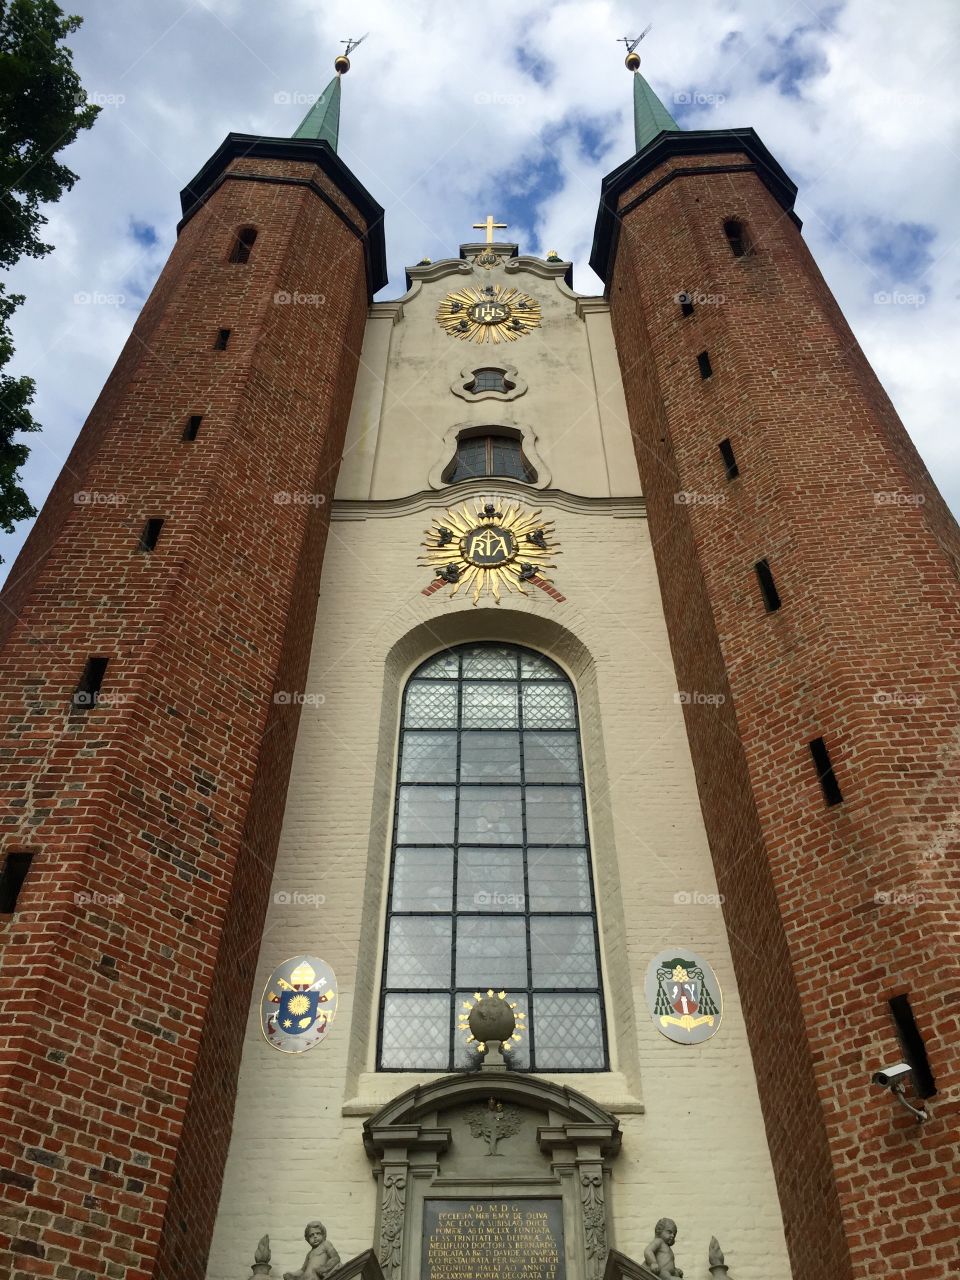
[[658, 1255], [322, 1258]]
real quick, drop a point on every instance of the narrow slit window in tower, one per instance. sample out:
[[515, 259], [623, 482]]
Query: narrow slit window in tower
[[15, 868], [729, 459], [242, 244], [686, 304], [87, 692], [768, 588], [828, 781], [150, 534], [706, 369], [223, 337], [736, 235], [193, 426], [912, 1046]]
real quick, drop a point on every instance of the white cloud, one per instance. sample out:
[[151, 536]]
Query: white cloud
[[438, 111]]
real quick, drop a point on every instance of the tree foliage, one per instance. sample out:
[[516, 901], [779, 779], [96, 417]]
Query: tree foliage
[[42, 109]]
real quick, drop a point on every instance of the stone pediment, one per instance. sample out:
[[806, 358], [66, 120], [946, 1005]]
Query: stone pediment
[[492, 1155]]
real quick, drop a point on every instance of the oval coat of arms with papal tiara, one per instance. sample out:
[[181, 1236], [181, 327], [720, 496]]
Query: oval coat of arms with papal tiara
[[684, 996], [299, 1004]]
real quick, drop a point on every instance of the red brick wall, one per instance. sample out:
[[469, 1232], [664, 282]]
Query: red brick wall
[[154, 818], [831, 910]]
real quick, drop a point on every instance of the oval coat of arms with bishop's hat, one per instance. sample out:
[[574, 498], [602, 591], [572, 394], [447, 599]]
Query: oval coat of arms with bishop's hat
[[684, 996]]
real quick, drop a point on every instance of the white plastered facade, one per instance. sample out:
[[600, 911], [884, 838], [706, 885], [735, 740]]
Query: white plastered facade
[[694, 1145]]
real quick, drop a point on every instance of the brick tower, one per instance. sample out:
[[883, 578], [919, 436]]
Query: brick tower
[[149, 716], [809, 571]]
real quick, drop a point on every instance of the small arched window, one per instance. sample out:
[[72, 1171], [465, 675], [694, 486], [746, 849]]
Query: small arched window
[[736, 234], [490, 877], [489, 456], [489, 380], [242, 244]]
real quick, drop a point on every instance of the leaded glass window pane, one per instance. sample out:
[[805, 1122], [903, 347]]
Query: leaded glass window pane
[[559, 880], [554, 815], [491, 952], [487, 756], [423, 880], [490, 881], [431, 706], [418, 951], [563, 952], [490, 706], [568, 1032], [548, 706], [491, 815], [550, 757], [429, 757], [425, 815], [414, 1035]]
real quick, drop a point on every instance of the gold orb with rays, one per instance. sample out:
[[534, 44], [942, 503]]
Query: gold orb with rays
[[493, 1015], [488, 547], [488, 313]]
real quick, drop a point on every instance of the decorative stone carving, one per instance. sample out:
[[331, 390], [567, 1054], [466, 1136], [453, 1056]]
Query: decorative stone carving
[[261, 1258], [715, 1260], [594, 1222], [322, 1258], [493, 1123], [658, 1255], [561, 1146], [392, 1207]]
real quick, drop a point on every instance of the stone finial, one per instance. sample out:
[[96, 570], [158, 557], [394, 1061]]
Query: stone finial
[[261, 1258], [715, 1260]]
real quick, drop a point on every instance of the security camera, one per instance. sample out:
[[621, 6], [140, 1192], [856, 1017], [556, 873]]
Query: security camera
[[891, 1077], [895, 1079]]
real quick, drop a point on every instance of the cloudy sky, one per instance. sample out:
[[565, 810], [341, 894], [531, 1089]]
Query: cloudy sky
[[456, 110]]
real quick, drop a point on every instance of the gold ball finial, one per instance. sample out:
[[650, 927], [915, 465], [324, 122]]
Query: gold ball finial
[[341, 64], [632, 61]]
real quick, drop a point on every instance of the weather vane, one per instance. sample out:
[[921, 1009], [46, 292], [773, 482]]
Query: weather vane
[[342, 61], [632, 60]]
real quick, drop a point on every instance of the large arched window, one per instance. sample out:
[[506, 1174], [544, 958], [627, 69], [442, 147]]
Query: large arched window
[[490, 877]]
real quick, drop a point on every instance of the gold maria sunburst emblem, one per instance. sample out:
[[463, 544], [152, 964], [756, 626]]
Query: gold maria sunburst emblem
[[484, 547], [488, 313]]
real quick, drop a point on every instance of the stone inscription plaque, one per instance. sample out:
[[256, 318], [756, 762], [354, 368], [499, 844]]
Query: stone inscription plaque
[[486, 1239]]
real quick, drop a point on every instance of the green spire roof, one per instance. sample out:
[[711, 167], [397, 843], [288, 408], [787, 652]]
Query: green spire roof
[[323, 119], [650, 116]]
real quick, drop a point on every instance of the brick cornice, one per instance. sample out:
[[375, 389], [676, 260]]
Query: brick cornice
[[244, 146], [671, 145]]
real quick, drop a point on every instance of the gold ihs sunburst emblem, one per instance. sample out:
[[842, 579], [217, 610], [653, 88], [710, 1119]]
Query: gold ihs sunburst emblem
[[489, 547], [488, 313]]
